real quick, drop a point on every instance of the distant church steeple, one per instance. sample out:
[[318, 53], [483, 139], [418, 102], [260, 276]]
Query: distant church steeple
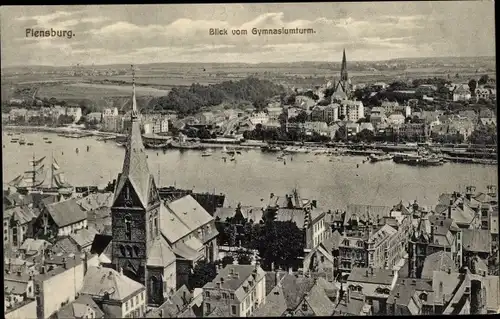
[[343, 69]]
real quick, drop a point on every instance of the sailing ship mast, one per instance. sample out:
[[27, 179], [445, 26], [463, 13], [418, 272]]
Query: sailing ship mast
[[52, 171]]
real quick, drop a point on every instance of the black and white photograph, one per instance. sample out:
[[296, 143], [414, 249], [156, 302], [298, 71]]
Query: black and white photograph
[[249, 160]]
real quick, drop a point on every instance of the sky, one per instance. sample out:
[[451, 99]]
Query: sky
[[137, 34]]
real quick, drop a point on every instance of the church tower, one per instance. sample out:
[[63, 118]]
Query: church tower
[[135, 213], [342, 89], [343, 70]]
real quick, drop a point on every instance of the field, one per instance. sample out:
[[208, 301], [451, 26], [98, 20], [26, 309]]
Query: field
[[157, 79]]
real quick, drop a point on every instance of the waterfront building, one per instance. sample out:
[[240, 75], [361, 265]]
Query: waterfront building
[[318, 127], [16, 114], [274, 113], [259, 118], [396, 120], [236, 291], [110, 111], [75, 112], [328, 113], [112, 123], [118, 295], [418, 131]]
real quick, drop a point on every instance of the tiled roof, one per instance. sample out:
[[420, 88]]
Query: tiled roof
[[437, 261], [192, 214], [275, 304], [96, 200], [171, 226], [15, 287], [31, 245], [484, 198], [319, 301], [291, 214], [65, 245], [365, 212], [228, 279], [22, 214], [79, 308], [99, 280], [294, 289], [476, 240], [174, 306], [443, 285], [182, 250], [84, 237], [459, 215], [66, 213], [160, 254], [379, 276]]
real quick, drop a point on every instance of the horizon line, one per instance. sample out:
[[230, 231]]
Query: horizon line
[[248, 63]]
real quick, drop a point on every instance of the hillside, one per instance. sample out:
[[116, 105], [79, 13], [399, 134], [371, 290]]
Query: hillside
[[189, 100]]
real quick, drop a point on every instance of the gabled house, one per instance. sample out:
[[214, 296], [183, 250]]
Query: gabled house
[[60, 219]]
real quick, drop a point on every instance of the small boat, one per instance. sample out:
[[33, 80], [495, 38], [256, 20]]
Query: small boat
[[206, 153], [48, 142], [88, 148], [45, 138], [280, 158], [378, 158], [238, 152], [14, 140], [22, 141], [29, 144], [9, 134], [77, 150]]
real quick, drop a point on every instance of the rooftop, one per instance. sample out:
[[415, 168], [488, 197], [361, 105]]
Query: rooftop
[[99, 280], [371, 275], [66, 212], [476, 240]]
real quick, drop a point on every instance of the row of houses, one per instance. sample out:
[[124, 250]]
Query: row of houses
[[48, 112]]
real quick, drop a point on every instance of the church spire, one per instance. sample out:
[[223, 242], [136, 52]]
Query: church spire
[[135, 175], [343, 69]]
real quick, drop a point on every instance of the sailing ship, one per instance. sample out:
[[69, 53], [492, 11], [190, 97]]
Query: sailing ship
[[206, 153], [32, 181], [379, 158]]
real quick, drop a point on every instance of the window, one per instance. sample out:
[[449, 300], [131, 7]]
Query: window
[[130, 252], [128, 228], [150, 227], [233, 309], [132, 303], [126, 306], [322, 259], [207, 305], [207, 294], [156, 226], [137, 251], [345, 242], [232, 296], [423, 296], [304, 307], [224, 295]]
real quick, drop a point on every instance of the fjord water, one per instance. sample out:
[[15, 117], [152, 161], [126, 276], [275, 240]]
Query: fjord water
[[254, 175]]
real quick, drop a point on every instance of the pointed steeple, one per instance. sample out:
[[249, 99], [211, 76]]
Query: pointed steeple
[[135, 172], [343, 69]]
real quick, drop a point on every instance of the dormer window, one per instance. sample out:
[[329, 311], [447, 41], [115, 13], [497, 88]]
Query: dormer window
[[345, 242], [423, 296]]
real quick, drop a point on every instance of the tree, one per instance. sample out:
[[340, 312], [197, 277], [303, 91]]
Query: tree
[[483, 79], [227, 260], [202, 273], [244, 257], [365, 135], [300, 118], [472, 87], [280, 242]]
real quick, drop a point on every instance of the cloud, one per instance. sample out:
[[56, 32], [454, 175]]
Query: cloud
[[115, 34]]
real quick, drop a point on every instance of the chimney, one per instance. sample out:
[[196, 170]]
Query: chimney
[[161, 313], [42, 270], [272, 195], [218, 285], [19, 273], [290, 271], [121, 271], [314, 203], [65, 264], [272, 266], [367, 273], [449, 208]]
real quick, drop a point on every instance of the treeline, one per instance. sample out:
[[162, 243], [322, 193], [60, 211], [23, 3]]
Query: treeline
[[189, 100]]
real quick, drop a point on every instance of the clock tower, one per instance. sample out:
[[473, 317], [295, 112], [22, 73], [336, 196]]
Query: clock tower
[[135, 212]]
